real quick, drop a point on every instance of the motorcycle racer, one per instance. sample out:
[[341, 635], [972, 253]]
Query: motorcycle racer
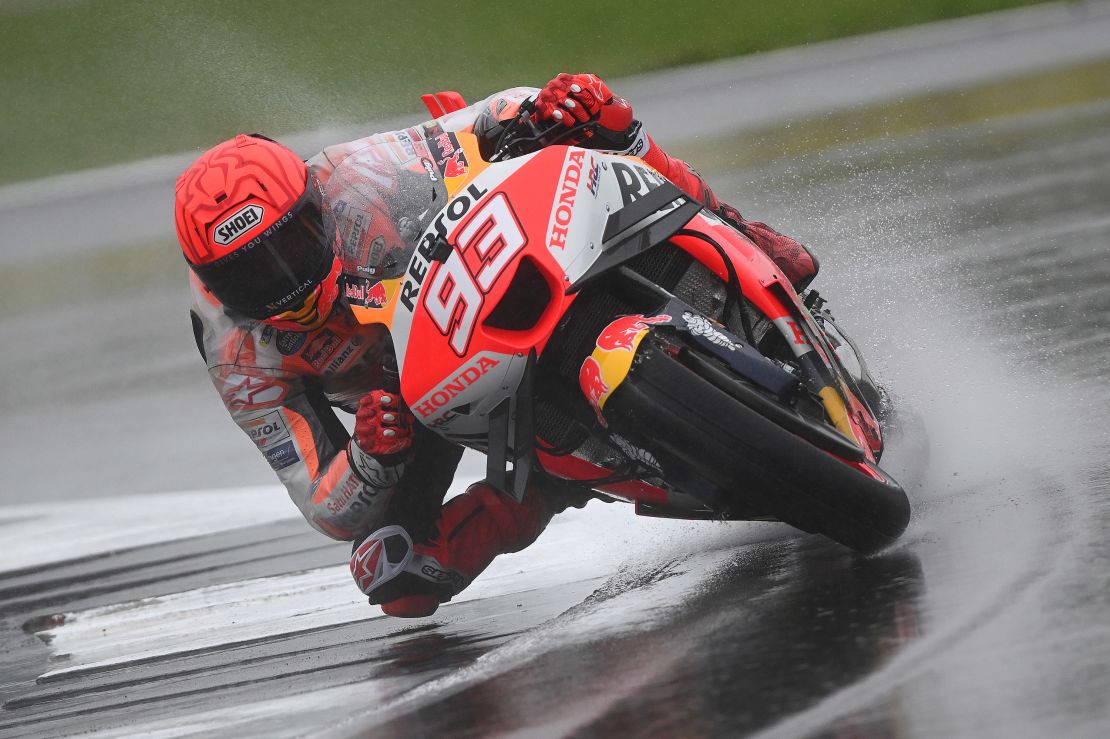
[[280, 248]]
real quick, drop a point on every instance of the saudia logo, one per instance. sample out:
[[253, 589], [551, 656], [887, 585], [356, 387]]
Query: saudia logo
[[238, 223]]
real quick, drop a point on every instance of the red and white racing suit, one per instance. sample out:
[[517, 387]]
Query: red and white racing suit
[[281, 387]]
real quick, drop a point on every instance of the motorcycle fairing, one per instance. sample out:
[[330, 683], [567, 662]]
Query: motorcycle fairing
[[571, 216], [458, 274]]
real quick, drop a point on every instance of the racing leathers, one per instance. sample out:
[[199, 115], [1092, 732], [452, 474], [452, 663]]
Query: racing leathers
[[281, 386]]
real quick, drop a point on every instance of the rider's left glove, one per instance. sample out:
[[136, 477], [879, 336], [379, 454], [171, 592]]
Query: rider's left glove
[[383, 433], [571, 99]]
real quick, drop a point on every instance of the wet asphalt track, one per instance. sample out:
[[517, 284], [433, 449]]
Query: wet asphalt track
[[972, 260]]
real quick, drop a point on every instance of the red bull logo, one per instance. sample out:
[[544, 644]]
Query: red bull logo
[[593, 385], [367, 295], [446, 146], [456, 165], [355, 293], [605, 369], [376, 296], [620, 335]]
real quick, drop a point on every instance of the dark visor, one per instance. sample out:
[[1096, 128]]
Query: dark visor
[[276, 270]]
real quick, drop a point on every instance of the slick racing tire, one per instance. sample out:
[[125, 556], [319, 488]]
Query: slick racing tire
[[702, 435]]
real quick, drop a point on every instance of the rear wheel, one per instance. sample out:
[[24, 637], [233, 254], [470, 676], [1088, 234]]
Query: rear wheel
[[703, 435]]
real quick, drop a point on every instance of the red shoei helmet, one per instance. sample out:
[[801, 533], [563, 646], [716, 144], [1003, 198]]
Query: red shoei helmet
[[252, 227]]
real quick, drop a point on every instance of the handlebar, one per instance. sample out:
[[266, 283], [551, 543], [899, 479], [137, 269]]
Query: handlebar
[[523, 136]]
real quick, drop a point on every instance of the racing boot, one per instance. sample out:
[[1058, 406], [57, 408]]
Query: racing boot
[[797, 262], [410, 579]]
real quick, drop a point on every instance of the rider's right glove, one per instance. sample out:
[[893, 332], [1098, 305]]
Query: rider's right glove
[[383, 433], [570, 99]]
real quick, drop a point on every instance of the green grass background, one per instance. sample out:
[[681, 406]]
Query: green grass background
[[87, 83]]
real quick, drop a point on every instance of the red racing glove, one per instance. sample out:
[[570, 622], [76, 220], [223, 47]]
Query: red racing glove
[[383, 425], [570, 99], [383, 432]]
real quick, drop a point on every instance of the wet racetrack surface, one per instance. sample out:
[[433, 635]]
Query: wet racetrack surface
[[973, 263]]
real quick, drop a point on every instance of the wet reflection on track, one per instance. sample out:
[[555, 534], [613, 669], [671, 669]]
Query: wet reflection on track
[[771, 631]]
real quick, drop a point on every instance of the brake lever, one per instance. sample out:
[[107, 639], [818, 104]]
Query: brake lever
[[570, 132], [505, 148]]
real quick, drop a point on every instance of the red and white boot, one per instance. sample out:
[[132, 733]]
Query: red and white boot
[[797, 262], [410, 579]]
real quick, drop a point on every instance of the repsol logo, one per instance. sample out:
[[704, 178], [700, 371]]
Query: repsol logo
[[422, 258], [264, 431], [238, 223], [267, 430], [635, 181]]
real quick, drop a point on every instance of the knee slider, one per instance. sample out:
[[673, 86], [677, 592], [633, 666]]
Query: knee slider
[[380, 557]]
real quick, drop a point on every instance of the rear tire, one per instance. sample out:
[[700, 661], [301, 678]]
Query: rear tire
[[700, 432]]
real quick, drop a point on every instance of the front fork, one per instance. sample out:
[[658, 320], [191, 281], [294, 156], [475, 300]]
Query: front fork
[[511, 454]]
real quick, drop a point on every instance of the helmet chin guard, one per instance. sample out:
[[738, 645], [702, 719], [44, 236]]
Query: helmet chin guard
[[316, 308]]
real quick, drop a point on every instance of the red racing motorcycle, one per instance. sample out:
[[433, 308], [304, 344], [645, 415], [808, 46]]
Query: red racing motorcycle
[[573, 314]]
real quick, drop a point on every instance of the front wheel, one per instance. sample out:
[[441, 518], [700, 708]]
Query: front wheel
[[705, 437]]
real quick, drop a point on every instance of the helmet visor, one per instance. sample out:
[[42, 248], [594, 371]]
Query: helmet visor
[[276, 270]]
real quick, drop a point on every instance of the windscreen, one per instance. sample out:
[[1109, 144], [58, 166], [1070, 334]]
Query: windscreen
[[382, 196]]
